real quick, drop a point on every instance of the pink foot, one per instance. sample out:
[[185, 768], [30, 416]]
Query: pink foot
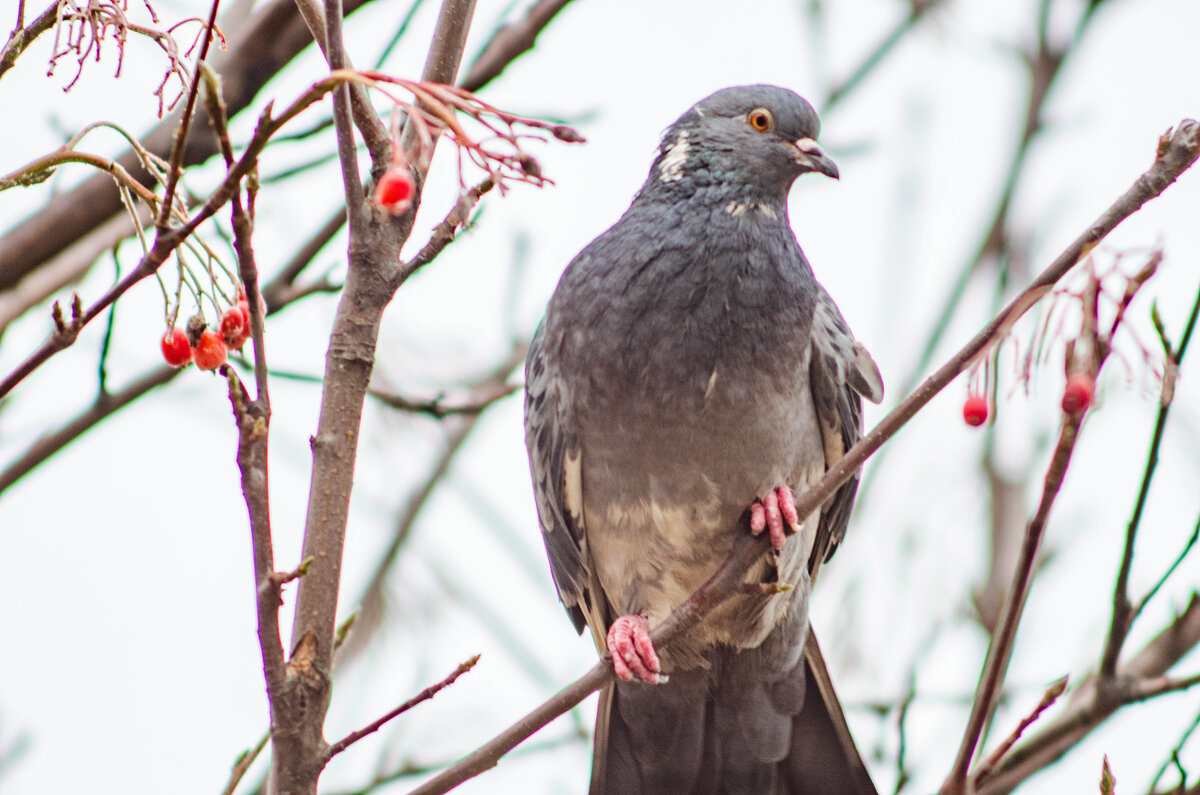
[[776, 512], [632, 650]]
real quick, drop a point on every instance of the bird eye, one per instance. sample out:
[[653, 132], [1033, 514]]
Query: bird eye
[[761, 119]]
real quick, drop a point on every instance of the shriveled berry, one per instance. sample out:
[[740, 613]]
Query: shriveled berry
[[210, 353], [175, 347], [1078, 393], [396, 190], [975, 410], [235, 327]]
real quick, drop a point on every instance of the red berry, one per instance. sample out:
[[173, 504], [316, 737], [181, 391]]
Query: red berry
[[232, 322], [210, 352], [175, 348], [975, 410], [1078, 393], [235, 327], [395, 190]]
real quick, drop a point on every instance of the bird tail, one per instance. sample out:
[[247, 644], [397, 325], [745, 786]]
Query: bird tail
[[734, 728]]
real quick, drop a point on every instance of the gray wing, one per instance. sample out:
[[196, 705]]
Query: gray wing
[[842, 373], [555, 461]]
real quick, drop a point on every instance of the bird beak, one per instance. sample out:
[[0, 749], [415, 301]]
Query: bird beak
[[813, 158]]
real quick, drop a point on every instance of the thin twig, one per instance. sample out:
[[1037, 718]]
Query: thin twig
[[1090, 704], [424, 695], [179, 142], [335, 53], [1174, 757], [113, 402], [273, 292], [878, 54], [41, 166], [1000, 650], [243, 764], [445, 232], [1123, 611], [22, 37], [439, 408], [510, 42], [1183, 553], [1052, 694]]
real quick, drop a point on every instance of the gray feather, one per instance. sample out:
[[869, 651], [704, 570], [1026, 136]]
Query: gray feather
[[689, 363]]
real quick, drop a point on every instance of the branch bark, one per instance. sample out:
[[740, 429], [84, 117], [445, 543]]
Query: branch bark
[[375, 241], [1090, 705], [509, 43]]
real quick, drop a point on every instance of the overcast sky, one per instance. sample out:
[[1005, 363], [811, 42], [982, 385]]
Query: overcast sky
[[130, 661]]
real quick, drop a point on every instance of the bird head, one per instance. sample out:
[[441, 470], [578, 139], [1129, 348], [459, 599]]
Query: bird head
[[752, 140]]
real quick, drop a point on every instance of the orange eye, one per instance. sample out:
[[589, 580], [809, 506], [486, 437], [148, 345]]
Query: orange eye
[[761, 119]]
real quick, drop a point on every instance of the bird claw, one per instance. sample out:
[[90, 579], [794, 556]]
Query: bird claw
[[633, 652], [775, 512]]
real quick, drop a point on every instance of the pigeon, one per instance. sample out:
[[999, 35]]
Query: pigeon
[[689, 379]]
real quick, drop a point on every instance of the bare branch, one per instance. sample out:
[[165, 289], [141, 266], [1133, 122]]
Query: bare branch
[[185, 122], [1089, 353], [1183, 553], [335, 53], [1052, 694], [438, 408], [22, 37], [274, 291], [253, 419], [510, 42], [1000, 649], [424, 695], [445, 232], [105, 405], [482, 393], [876, 56], [1123, 611], [244, 760], [375, 241], [1090, 705]]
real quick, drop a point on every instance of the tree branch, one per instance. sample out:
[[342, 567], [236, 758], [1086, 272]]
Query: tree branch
[[510, 42], [1000, 650], [375, 242], [1123, 612], [1049, 698], [424, 695], [179, 141], [21, 38], [104, 406], [1090, 705]]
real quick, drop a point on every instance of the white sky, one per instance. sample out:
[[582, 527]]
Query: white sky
[[130, 661]]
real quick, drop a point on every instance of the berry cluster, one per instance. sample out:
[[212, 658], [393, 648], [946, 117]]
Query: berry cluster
[[207, 347]]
